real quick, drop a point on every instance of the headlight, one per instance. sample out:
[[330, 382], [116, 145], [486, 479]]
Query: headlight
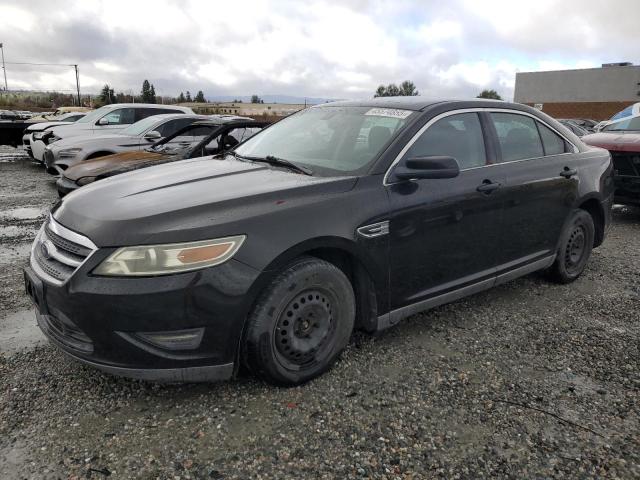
[[69, 152], [85, 180], [148, 260], [39, 135]]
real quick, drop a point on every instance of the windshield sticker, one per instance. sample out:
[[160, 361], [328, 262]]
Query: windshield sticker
[[389, 112]]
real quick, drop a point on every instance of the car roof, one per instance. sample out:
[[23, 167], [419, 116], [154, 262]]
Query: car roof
[[415, 103], [149, 105], [169, 116]]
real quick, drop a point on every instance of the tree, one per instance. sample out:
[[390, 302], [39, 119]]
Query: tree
[[406, 89], [188, 97], [146, 91], [256, 99], [106, 95], [200, 97], [152, 94], [235, 100], [181, 98], [490, 94]]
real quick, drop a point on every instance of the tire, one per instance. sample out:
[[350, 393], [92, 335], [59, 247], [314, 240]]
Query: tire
[[574, 248], [301, 323]]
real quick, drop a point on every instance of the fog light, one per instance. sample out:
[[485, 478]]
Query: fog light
[[175, 339]]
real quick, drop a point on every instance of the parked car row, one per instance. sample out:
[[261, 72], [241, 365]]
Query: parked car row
[[344, 215]]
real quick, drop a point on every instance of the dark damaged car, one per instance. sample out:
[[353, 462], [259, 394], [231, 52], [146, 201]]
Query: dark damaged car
[[345, 215], [198, 139]]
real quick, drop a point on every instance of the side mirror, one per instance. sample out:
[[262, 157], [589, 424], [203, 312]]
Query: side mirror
[[428, 167], [103, 121], [153, 135]]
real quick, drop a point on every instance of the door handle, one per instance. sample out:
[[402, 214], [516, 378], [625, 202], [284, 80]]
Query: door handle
[[568, 172], [487, 186]]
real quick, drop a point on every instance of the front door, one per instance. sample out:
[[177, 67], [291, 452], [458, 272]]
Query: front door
[[445, 233]]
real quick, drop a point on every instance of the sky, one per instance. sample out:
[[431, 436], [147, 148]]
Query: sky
[[309, 48]]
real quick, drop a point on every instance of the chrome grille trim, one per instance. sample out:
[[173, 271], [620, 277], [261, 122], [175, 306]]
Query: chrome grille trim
[[58, 252]]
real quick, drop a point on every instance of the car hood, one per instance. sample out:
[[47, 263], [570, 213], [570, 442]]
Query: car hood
[[109, 163], [84, 139], [615, 141], [73, 129], [188, 200], [38, 127]]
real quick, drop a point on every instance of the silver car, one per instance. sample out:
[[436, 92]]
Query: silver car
[[65, 153]]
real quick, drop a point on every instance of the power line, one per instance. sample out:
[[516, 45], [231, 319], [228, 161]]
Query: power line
[[42, 64]]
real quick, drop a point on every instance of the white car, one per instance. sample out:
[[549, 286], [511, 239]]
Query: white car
[[32, 138], [112, 119], [67, 152], [625, 115]]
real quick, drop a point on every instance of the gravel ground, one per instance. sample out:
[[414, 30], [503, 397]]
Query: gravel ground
[[528, 380]]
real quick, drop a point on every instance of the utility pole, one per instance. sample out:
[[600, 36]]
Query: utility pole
[[4, 69], [77, 85]]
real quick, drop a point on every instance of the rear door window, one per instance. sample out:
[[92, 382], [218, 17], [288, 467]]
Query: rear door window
[[458, 136], [552, 142], [518, 136], [147, 112]]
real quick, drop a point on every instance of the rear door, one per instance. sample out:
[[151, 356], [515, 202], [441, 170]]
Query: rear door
[[541, 186]]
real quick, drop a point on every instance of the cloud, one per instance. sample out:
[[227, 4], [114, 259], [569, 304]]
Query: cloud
[[313, 48]]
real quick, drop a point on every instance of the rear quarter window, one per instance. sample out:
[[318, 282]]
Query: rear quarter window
[[553, 143]]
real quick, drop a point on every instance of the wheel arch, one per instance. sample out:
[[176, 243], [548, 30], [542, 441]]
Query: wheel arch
[[593, 206], [369, 281]]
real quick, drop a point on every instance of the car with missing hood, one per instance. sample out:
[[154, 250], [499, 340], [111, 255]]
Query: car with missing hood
[[345, 215], [201, 138], [32, 140], [70, 151], [622, 139]]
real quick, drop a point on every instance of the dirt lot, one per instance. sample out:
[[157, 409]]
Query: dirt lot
[[529, 380]]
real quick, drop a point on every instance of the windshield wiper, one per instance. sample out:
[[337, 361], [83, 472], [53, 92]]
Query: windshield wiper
[[276, 161]]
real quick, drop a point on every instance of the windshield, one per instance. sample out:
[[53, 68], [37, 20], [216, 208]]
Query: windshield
[[338, 140], [95, 115], [140, 126], [630, 124]]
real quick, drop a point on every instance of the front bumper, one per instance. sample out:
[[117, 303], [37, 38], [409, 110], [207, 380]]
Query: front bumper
[[26, 144], [65, 186], [96, 320]]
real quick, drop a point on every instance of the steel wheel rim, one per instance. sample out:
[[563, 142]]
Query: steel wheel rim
[[575, 249], [305, 328]]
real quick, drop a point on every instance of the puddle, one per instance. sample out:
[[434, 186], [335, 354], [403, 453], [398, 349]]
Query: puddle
[[15, 231], [19, 331], [23, 213]]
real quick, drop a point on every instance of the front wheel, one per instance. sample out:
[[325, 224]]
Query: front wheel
[[576, 243], [301, 323]]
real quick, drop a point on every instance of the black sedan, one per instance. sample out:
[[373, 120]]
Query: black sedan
[[345, 215]]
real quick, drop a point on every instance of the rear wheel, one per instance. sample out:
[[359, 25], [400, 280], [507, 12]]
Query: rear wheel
[[576, 243], [301, 323]]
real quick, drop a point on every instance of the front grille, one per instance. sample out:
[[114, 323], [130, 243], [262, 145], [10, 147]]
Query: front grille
[[626, 164], [58, 252]]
